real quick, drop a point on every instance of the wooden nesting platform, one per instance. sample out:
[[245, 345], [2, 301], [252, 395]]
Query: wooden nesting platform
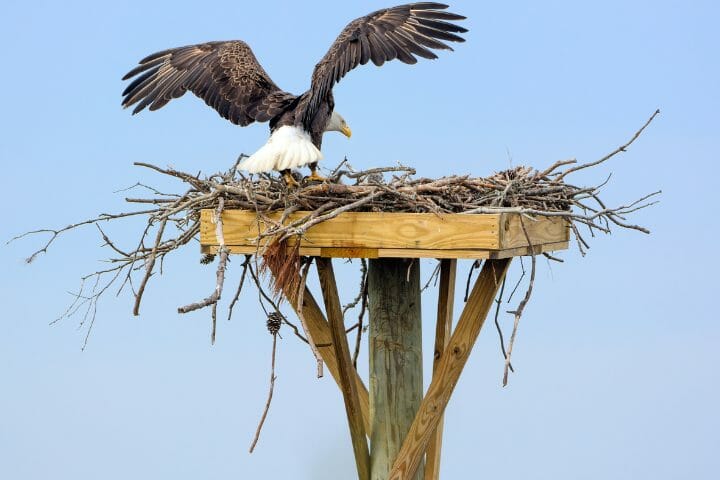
[[414, 443], [398, 235]]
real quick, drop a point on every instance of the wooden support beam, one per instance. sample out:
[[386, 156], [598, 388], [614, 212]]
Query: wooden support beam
[[308, 250], [395, 337], [449, 369], [446, 299], [347, 373], [320, 332], [395, 235]]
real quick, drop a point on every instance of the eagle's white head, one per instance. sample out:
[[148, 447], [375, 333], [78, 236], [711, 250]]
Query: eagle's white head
[[338, 124]]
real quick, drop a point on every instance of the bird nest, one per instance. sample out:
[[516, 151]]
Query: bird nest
[[173, 220]]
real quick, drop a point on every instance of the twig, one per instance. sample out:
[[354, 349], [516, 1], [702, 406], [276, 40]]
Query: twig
[[620, 149], [512, 294], [434, 275], [57, 233], [475, 264], [521, 307], [361, 290], [498, 301], [149, 265], [301, 298], [264, 296], [245, 266], [269, 398], [363, 309], [553, 257], [220, 275]]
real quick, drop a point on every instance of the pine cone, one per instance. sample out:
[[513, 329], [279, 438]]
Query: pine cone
[[274, 321]]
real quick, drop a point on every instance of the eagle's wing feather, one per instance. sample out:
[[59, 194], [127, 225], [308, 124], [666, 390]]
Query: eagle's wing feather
[[226, 75], [401, 32]]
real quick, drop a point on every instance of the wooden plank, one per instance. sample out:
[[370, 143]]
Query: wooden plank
[[541, 230], [418, 253], [368, 230], [525, 251], [346, 370], [395, 336], [251, 250], [320, 332], [348, 252], [449, 369], [443, 327], [362, 252], [402, 253]]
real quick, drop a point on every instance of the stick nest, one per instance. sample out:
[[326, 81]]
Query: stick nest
[[172, 220]]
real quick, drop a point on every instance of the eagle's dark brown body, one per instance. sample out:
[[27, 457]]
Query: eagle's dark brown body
[[228, 77]]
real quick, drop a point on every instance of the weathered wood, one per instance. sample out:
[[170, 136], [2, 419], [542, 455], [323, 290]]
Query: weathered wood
[[396, 382], [446, 300], [347, 373], [369, 230], [320, 332], [541, 230], [526, 251], [339, 252], [409, 459]]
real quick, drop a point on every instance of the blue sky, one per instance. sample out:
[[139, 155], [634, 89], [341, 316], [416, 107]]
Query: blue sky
[[617, 353]]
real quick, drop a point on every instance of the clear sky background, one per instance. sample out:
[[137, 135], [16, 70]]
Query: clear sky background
[[617, 356]]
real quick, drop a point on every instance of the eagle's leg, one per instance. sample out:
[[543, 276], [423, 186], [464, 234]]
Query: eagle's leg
[[289, 179], [314, 176]]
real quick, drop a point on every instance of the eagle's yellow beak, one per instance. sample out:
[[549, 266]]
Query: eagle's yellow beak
[[346, 131]]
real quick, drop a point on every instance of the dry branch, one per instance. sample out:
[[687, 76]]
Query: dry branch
[[271, 389], [300, 302], [517, 313], [213, 299]]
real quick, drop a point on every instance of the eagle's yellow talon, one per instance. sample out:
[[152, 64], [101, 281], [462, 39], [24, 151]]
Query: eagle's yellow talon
[[315, 177], [290, 180]]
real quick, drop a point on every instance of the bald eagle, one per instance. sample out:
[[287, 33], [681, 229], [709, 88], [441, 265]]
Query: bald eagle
[[228, 77]]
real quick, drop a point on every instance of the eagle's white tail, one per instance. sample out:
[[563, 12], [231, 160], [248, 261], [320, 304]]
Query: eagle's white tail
[[288, 147]]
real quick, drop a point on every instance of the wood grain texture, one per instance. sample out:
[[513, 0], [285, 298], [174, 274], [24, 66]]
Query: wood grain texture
[[395, 338], [397, 235], [525, 251], [541, 230], [449, 369], [368, 230], [443, 327], [346, 371], [320, 332], [404, 252]]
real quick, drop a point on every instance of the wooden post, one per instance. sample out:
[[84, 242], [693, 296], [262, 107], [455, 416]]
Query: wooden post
[[396, 381], [446, 300], [410, 458]]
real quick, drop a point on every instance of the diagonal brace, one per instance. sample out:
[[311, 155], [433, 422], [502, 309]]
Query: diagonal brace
[[320, 332], [346, 371]]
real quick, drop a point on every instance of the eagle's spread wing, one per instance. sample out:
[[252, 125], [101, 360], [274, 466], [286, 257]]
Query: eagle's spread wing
[[400, 32], [226, 75]]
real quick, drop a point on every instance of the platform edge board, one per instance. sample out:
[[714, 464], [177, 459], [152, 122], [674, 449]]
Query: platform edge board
[[541, 230], [368, 230], [402, 253], [386, 234]]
